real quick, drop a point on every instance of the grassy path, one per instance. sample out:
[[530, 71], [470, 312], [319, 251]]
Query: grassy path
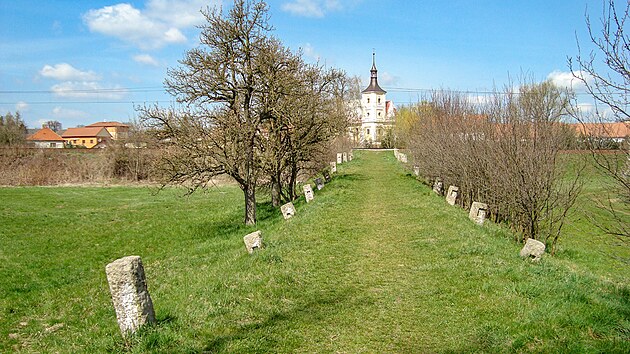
[[377, 263]]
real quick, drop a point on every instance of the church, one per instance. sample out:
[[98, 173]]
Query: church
[[376, 113]]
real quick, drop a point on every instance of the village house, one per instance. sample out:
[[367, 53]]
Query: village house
[[118, 131], [88, 137], [46, 138], [613, 132]]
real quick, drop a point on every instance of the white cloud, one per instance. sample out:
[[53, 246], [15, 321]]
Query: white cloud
[[65, 71], [21, 106], [311, 8], [59, 112], [309, 52], [145, 59], [87, 89], [179, 14], [566, 79], [388, 79], [159, 24]]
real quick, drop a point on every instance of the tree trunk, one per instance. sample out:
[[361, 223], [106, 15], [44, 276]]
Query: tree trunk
[[276, 193], [250, 205]]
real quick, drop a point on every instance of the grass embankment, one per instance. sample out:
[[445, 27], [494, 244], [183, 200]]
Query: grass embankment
[[377, 263]]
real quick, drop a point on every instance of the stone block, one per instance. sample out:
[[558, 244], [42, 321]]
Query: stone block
[[333, 167], [533, 248], [344, 157], [128, 287], [288, 210], [319, 183], [451, 195], [339, 157], [350, 156], [308, 193], [478, 212], [326, 175], [403, 158], [416, 171], [438, 186], [253, 241]]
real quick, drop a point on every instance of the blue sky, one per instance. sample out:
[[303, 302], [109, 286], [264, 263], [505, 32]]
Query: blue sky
[[80, 62]]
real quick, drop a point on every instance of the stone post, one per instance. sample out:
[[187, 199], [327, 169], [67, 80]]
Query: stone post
[[451, 196], [130, 296], [253, 241], [416, 171], [438, 186], [478, 212], [288, 210], [333, 167], [403, 157], [344, 157], [533, 248], [339, 157], [319, 183], [308, 193], [326, 175]]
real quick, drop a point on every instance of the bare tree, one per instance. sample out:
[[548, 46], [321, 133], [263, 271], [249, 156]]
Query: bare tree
[[605, 73], [12, 129], [505, 153], [249, 108], [53, 125]]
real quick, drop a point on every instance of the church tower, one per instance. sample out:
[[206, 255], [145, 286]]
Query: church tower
[[376, 112]]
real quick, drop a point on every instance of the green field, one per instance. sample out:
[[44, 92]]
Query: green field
[[377, 263]]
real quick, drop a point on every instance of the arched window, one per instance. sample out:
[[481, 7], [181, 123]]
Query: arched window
[[379, 100], [368, 100]]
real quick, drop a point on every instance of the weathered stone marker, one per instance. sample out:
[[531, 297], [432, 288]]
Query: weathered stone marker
[[339, 157], [478, 212], [288, 210], [308, 193], [416, 171], [319, 183], [326, 175], [333, 167], [344, 156], [350, 156], [253, 241], [403, 157], [438, 186], [533, 248], [130, 296], [451, 196]]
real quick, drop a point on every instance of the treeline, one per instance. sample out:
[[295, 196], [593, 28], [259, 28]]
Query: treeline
[[504, 152]]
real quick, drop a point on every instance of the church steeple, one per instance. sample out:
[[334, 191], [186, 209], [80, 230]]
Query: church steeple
[[374, 87]]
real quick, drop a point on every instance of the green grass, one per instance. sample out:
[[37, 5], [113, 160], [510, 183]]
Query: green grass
[[377, 263]]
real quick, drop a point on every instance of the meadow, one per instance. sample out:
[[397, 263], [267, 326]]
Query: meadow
[[377, 263]]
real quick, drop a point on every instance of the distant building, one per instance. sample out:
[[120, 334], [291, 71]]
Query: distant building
[[87, 137], [118, 131], [46, 138], [377, 114], [615, 132]]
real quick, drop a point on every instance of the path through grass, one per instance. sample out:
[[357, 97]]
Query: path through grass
[[377, 263]]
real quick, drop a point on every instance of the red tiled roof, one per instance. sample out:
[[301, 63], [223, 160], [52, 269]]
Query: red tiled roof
[[108, 124], [604, 130], [85, 132], [45, 134]]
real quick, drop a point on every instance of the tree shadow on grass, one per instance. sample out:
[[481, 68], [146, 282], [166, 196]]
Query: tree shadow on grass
[[271, 334]]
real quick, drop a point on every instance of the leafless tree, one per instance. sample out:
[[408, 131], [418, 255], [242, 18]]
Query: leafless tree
[[505, 152], [248, 108], [605, 73], [12, 129]]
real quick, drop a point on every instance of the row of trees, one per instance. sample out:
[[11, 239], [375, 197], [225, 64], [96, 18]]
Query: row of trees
[[505, 152], [248, 108]]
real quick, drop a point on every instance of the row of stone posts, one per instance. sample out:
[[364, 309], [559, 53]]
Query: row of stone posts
[[127, 281], [478, 211]]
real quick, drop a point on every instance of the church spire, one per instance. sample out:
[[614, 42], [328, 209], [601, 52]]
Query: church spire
[[374, 87]]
